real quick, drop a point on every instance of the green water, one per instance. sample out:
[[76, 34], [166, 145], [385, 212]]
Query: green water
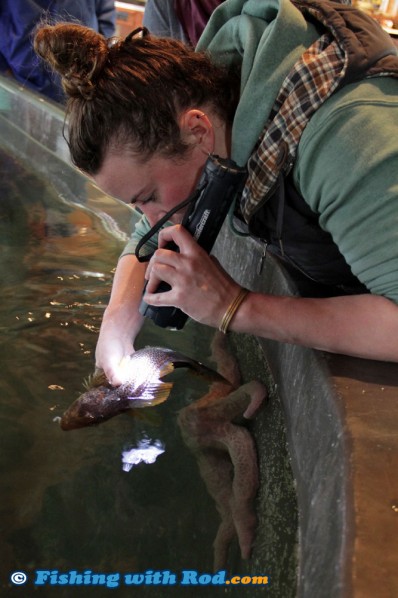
[[66, 502]]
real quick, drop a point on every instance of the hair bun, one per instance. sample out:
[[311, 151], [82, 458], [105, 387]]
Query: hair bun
[[77, 53]]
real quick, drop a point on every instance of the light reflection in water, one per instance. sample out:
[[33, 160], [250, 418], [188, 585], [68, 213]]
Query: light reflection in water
[[147, 451]]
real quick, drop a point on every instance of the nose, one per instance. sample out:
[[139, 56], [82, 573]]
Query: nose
[[153, 215], [152, 219]]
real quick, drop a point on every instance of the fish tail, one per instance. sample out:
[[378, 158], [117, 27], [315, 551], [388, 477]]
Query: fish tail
[[198, 368], [209, 374]]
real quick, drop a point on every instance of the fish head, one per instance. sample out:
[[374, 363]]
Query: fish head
[[91, 408]]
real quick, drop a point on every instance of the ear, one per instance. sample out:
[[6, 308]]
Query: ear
[[197, 130]]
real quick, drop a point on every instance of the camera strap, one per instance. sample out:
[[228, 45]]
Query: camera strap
[[145, 257]]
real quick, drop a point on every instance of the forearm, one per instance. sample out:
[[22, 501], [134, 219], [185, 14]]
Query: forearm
[[359, 325], [121, 320], [128, 284]]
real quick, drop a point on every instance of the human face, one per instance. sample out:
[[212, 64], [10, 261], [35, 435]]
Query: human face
[[156, 185]]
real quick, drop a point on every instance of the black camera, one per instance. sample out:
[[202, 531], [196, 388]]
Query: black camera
[[220, 183]]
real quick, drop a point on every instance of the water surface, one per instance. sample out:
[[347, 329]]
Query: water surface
[[66, 501]]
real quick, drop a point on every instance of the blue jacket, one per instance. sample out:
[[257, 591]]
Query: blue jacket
[[18, 19]]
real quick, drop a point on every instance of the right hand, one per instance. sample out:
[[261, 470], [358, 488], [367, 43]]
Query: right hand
[[111, 355]]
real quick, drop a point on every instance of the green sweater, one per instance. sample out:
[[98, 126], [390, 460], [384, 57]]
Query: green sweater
[[347, 160]]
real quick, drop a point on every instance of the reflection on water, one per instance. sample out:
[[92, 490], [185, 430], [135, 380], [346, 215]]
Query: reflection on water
[[74, 500], [147, 451]]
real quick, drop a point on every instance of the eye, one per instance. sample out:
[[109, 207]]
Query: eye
[[144, 201], [149, 199]]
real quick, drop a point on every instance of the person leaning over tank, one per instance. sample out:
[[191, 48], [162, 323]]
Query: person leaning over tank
[[315, 111]]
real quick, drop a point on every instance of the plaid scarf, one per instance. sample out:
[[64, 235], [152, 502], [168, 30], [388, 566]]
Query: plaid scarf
[[312, 80]]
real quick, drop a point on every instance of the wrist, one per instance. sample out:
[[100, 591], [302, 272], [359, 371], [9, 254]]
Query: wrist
[[122, 324], [232, 309]]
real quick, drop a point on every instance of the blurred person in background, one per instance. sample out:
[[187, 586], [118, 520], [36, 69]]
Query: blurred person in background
[[180, 19], [18, 22]]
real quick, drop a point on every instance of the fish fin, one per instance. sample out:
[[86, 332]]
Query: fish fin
[[207, 373], [199, 369], [167, 368], [88, 382], [179, 360], [160, 393], [97, 378]]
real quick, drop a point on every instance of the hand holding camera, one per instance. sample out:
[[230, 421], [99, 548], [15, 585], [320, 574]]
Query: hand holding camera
[[221, 182]]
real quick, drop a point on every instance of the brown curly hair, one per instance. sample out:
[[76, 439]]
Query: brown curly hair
[[128, 93]]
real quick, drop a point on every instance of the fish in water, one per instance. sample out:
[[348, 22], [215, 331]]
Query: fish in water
[[143, 388]]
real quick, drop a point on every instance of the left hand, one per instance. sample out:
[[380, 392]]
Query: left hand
[[199, 285]]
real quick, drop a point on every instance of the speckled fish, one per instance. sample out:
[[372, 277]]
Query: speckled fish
[[143, 389]]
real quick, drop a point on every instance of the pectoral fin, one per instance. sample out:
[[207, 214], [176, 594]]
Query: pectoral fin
[[167, 368], [155, 394], [161, 392]]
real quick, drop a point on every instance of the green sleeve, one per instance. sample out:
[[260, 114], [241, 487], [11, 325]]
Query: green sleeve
[[141, 228], [347, 171]]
